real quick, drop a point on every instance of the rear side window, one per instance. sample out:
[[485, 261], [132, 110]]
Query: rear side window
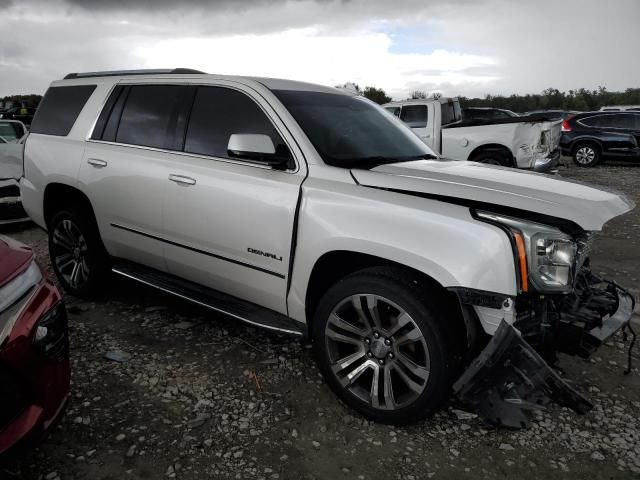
[[59, 109], [154, 116], [415, 116], [451, 112], [591, 121], [219, 112]]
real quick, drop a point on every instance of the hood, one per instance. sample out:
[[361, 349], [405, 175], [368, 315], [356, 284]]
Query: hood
[[587, 206], [14, 259]]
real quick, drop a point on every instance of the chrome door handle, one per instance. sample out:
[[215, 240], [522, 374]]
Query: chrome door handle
[[182, 180], [96, 162]]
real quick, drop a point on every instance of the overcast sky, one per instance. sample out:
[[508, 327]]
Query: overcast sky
[[457, 47]]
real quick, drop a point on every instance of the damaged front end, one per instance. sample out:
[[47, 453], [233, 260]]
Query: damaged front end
[[513, 375]]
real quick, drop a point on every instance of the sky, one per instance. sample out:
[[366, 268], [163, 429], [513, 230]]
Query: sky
[[454, 47]]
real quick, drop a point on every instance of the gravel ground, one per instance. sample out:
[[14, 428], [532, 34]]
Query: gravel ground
[[198, 396]]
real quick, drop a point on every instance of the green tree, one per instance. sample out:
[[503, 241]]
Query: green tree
[[377, 95]]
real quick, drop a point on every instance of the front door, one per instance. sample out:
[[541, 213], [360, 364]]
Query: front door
[[229, 223]]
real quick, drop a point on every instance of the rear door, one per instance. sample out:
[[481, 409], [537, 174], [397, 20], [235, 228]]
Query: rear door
[[127, 163], [417, 117]]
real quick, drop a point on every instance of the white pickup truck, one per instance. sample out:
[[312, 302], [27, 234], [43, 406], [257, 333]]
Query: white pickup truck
[[520, 142]]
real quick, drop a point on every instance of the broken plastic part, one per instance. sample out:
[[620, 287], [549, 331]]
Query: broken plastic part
[[509, 379]]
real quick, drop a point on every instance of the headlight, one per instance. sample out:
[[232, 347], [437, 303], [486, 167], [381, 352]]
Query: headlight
[[545, 256]]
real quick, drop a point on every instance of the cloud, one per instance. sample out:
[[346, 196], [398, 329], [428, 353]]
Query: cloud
[[468, 47]]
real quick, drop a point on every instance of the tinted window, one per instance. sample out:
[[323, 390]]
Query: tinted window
[[351, 132], [60, 108], [218, 113], [414, 115], [393, 110], [591, 121], [622, 121], [451, 112], [153, 116], [637, 121], [107, 109]]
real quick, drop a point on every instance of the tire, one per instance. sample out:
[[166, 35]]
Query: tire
[[494, 157], [586, 154], [384, 349], [77, 254]]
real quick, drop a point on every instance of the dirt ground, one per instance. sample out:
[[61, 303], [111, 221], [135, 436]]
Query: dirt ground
[[200, 396]]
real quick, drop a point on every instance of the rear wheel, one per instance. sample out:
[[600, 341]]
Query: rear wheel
[[494, 157], [78, 256], [586, 155], [381, 348]]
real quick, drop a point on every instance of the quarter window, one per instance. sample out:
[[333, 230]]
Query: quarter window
[[59, 109], [218, 113], [415, 116]]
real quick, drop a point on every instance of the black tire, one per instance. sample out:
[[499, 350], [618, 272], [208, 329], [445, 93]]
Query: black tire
[[586, 154], [396, 286], [74, 242], [494, 157]]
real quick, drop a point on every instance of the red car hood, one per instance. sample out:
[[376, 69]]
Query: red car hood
[[14, 259]]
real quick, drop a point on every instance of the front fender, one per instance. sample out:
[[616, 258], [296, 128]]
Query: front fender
[[439, 239]]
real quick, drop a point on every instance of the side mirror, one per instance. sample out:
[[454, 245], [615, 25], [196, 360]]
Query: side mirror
[[259, 148]]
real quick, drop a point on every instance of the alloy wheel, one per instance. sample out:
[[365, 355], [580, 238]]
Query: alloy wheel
[[377, 351], [585, 155], [69, 253]]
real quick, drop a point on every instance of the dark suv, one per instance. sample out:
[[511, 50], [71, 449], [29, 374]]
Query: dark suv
[[592, 136]]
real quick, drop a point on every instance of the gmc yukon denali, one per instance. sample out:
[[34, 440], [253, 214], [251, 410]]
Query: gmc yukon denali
[[307, 210]]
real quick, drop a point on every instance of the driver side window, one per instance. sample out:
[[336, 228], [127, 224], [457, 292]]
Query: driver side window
[[219, 112]]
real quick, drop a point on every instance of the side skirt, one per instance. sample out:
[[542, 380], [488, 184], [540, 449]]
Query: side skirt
[[217, 301]]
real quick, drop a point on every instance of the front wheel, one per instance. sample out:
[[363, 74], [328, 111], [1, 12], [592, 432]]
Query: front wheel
[[77, 254], [381, 347]]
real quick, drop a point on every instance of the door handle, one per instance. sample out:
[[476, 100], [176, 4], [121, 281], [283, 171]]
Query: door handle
[[182, 180], [96, 162]]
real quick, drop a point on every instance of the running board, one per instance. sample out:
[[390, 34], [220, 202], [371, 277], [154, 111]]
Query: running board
[[220, 302]]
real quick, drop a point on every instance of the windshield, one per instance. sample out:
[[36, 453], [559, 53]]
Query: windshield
[[352, 132]]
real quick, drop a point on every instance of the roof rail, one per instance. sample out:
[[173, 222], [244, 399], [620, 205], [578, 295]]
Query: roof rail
[[117, 73]]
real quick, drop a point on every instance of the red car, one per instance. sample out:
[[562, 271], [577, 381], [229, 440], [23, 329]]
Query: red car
[[34, 348]]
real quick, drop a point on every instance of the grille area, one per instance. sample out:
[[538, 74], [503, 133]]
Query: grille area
[[13, 397]]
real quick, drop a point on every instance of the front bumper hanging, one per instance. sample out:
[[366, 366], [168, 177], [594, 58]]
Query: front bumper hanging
[[509, 378]]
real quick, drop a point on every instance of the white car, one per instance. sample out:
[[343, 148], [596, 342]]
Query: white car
[[621, 108], [311, 211], [12, 135], [521, 142]]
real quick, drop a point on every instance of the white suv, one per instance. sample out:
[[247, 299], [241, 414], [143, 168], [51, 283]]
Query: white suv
[[308, 210]]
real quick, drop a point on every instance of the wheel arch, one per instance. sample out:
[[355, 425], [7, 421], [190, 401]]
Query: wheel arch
[[491, 147], [334, 265], [580, 140], [59, 195]]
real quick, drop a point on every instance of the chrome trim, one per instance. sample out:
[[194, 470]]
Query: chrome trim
[[207, 305]]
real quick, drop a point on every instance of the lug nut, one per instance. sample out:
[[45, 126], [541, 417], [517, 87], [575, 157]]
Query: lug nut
[[376, 335], [367, 341], [369, 354], [387, 341], [381, 362], [390, 355]]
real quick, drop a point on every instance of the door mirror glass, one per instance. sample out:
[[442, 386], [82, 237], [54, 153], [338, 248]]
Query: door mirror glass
[[259, 148]]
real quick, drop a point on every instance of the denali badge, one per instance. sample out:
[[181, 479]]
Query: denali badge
[[264, 254]]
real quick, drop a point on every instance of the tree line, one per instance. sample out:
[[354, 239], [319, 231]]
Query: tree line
[[583, 100]]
